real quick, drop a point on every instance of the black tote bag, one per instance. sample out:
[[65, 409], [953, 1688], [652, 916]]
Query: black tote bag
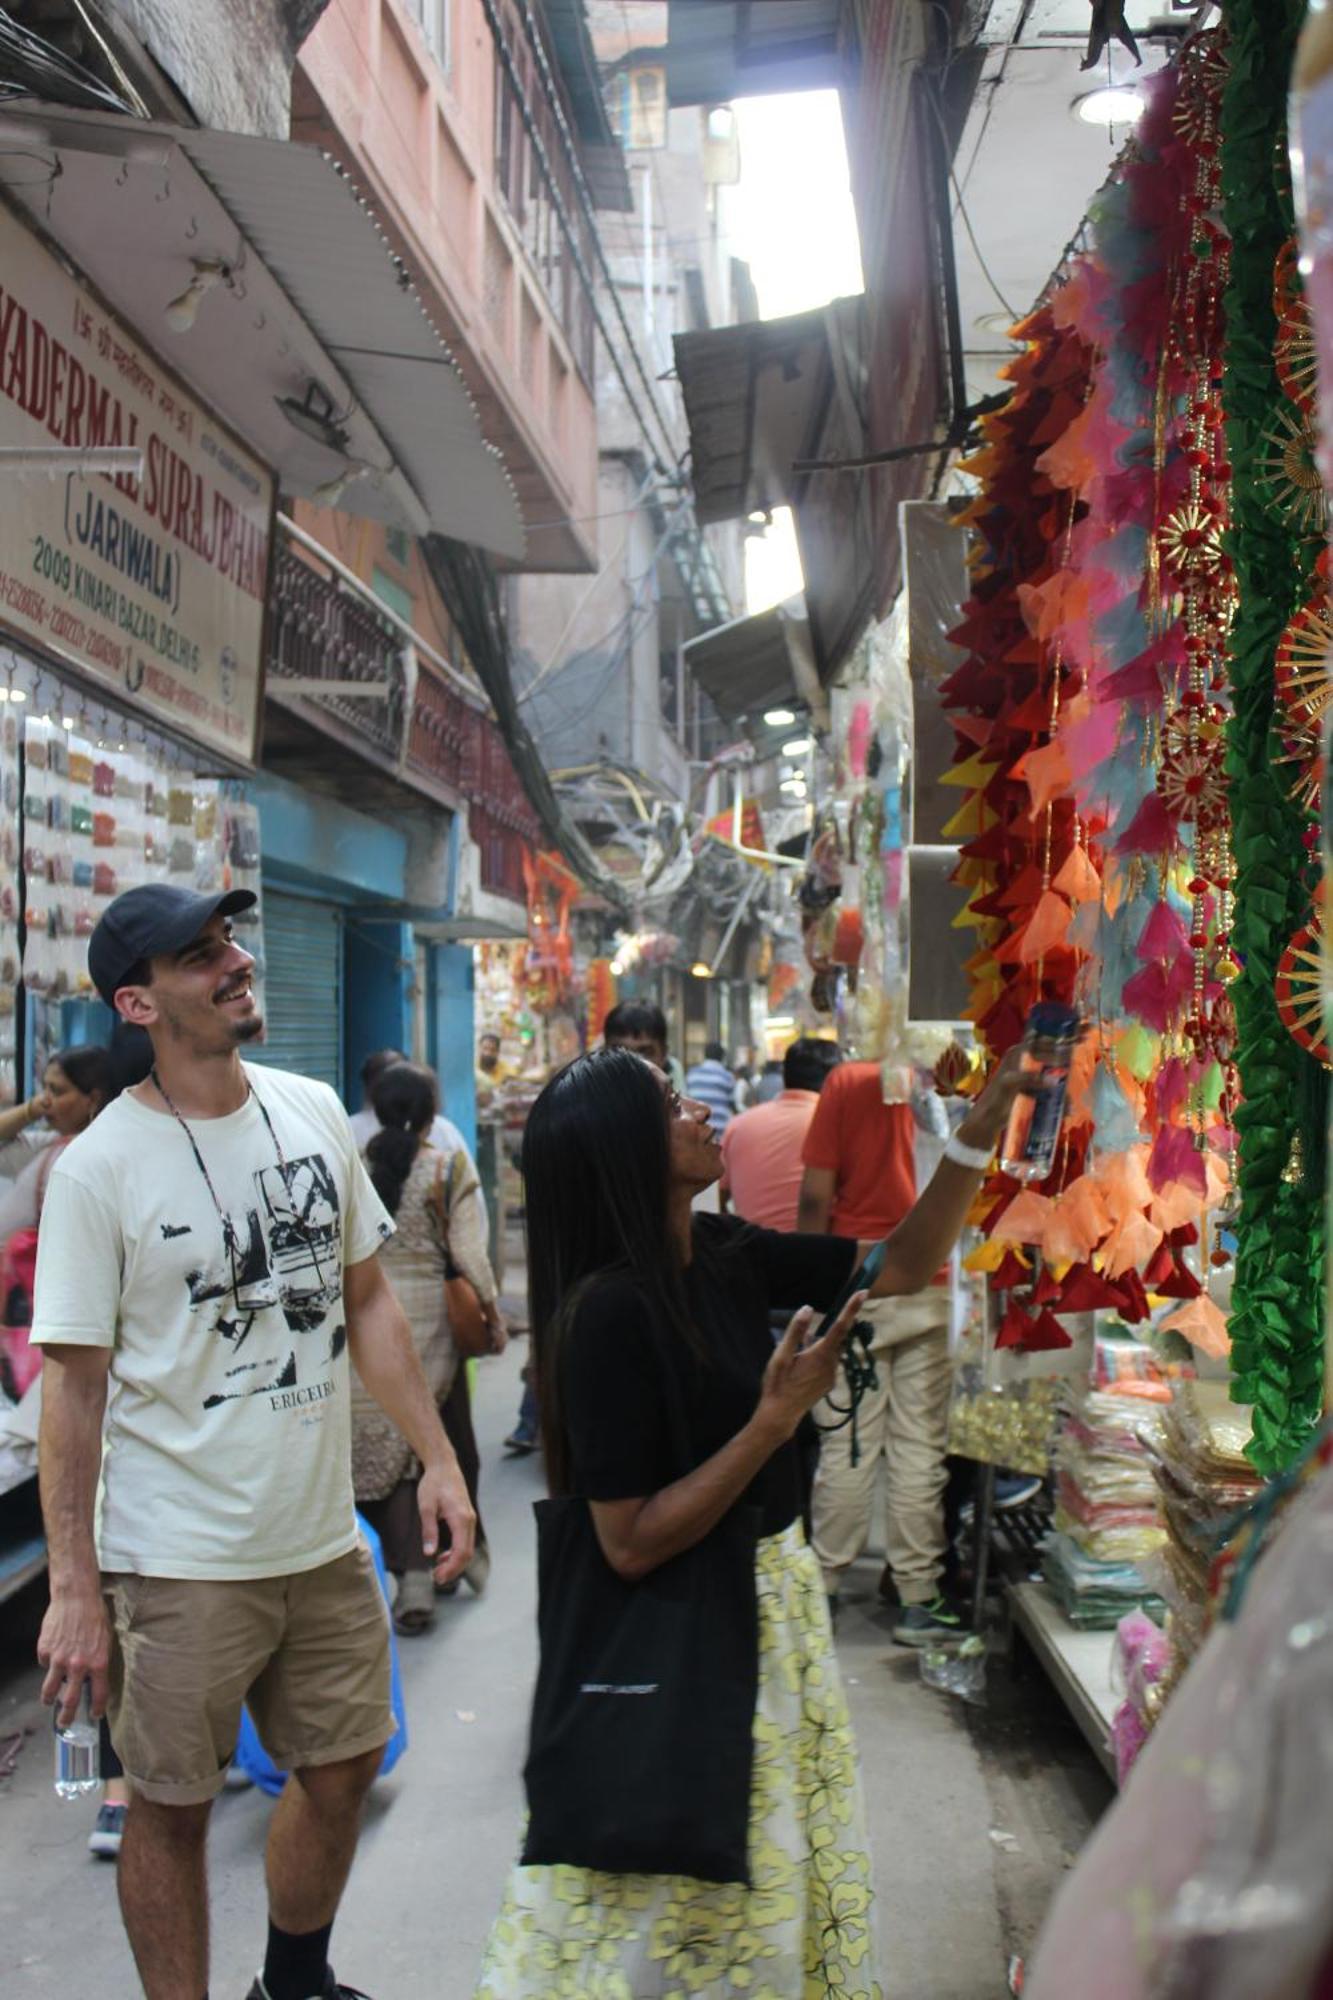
[[642, 1741]]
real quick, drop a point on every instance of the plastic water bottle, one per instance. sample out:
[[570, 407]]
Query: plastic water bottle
[[78, 1753], [1028, 1153]]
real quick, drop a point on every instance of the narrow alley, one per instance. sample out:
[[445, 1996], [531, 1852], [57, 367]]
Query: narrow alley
[[974, 1816]]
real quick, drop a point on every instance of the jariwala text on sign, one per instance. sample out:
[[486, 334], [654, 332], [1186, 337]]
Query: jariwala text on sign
[[154, 585]]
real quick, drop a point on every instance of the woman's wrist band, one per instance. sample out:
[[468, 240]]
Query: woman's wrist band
[[978, 1158]]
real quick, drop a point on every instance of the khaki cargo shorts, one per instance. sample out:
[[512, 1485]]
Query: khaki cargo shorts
[[308, 1654]]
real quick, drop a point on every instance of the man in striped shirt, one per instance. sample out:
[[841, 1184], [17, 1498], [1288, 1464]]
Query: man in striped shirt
[[713, 1084]]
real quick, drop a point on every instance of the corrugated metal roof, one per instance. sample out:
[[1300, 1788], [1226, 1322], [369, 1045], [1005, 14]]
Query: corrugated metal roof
[[752, 398], [316, 293], [720, 49], [600, 153], [755, 663], [305, 219]]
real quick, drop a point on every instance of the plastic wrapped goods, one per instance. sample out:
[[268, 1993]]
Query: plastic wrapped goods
[[1213, 1873]]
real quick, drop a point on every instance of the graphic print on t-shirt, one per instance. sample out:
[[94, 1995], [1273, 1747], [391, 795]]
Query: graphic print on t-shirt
[[285, 1253]]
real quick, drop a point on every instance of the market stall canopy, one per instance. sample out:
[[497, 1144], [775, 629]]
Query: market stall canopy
[[752, 396], [253, 268], [756, 663], [761, 398], [720, 49]]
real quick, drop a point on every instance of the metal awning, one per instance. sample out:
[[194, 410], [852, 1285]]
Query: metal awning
[[601, 154], [313, 294], [762, 398], [756, 663], [754, 398], [720, 49]]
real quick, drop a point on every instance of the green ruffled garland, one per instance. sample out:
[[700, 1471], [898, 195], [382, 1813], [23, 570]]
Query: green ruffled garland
[[1277, 1308]]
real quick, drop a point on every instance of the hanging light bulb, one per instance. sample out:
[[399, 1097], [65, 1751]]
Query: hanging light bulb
[[181, 312], [331, 492]]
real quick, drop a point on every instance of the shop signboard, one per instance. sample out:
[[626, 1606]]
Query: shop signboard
[[152, 586]]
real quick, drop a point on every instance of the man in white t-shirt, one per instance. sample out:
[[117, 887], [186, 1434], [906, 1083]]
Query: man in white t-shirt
[[208, 1256]]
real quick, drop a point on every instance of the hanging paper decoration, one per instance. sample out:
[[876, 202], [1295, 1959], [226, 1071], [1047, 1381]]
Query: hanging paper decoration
[[1091, 714], [548, 963], [601, 998]]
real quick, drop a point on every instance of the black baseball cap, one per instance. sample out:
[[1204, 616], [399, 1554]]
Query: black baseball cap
[[151, 919]]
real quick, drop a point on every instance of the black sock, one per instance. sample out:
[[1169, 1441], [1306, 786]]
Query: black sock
[[295, 1965]]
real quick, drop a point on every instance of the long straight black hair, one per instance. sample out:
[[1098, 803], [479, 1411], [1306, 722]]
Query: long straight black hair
[[596, 1175], [406, 1101]]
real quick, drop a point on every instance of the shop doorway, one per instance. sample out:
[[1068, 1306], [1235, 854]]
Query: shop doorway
[[303, 987]]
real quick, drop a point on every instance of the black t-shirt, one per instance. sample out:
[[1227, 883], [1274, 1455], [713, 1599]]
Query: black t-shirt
[[614, 1392]]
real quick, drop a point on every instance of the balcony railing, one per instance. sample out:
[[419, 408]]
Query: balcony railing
[[500, 820], [333, 644]]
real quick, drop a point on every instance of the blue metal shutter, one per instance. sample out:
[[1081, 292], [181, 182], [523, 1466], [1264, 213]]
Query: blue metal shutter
[[303, 987]]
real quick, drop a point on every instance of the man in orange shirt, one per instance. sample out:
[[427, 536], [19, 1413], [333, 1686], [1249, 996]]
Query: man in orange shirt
[[761, 1150], [860, 1180]]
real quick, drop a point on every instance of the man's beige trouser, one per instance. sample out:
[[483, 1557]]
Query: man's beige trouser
[[906, 1421]]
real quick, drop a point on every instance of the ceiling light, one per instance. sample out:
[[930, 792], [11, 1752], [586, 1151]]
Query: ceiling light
[[1117, 105], [799, 746], [700, 971], [314, 416], [182, 311], [779, 718]]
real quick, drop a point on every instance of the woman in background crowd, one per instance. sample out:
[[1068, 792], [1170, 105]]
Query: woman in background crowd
[[441, 1227], [76, 1085]]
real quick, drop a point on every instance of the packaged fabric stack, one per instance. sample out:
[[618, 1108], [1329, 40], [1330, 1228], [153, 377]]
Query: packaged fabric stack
[[1203, 1478], [1106, 1519]]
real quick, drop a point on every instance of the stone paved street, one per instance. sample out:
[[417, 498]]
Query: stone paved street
[[954, 1902]]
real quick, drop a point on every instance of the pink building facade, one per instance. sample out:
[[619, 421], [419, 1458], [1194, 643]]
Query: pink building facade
[[416, 100]]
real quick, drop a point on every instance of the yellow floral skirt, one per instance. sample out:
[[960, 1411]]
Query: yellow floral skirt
[[803, 1931]]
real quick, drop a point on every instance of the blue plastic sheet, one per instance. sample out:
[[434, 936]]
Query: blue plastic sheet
[[253, 1758]]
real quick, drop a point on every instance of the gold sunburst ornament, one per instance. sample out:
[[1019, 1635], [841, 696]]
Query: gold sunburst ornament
[[1294, 349], [1291, 474], [1304, 689], [1298, 990], [1302, 749], [1303, 668], [1204, 72], [1192, 785], [1190, 540]]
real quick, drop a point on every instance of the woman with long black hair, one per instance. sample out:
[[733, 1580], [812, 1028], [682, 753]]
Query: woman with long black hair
[[648, 1321], [440, 1228]]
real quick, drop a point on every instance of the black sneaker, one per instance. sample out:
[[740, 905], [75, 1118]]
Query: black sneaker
[[928, 1624], [519, 1444], [330, 1990]]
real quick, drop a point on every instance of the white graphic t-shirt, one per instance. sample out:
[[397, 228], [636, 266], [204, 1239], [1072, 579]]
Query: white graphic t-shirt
[[228, 1436]]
